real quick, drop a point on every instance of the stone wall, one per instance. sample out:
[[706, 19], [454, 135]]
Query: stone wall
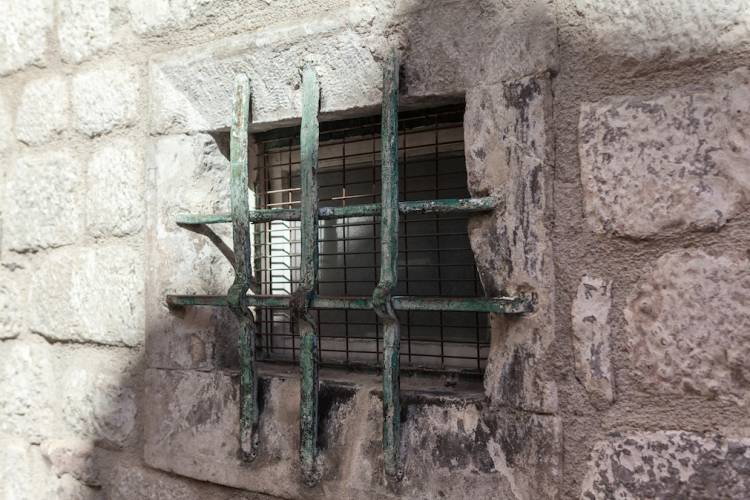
[[615, 133]]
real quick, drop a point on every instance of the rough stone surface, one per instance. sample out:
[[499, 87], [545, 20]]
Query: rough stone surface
[[675, 162], [191, 89], [90, 295], [689, 326], [43, 113], [190, 175], [507, 155], [84, 28], [99, 401], [42, 202], [74, 457], [191, 429], [26, 406], [115, 180], [669, 464], [12, 303], [24, 28], [662, 31], [105, 98], [591, 332], [6, 124]]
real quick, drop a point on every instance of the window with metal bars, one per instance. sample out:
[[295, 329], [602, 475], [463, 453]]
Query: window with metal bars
[[435, 258]]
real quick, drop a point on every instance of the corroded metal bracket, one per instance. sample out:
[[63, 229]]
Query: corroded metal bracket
[[382, 301]]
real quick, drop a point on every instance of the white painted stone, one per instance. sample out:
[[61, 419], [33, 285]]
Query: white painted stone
[[98, 397], [84, 28], [689, 326], [26, 403], [150, 17], [105, 98], [42, 202], [74, 457], [90, 295], [668, 464], [24, 27], [12, 303], [6, 124], [671, 163], [591, 331], [662, 30], [115, 183], [44, 110], [22, 470]]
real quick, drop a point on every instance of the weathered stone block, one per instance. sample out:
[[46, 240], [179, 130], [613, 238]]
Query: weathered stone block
[[43, 113], [115, 183], [12, 303], [659, 31], [99, 400], [105, 98], [508, 149], [22, 470], [591, 331], [84, 28], [24, 26], [675, 162], [191, 90], [669, 464], [26, 404], [90, 295], [42, 202], [689, 326]]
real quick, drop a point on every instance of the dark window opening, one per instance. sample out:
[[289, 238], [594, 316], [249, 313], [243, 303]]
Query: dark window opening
[[435, 258]]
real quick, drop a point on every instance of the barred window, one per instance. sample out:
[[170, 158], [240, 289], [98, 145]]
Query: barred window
[[435, 258]]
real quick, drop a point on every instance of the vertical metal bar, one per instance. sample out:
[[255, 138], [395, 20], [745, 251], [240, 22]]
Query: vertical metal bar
[[237, 294], [309, 135], [381, 297]]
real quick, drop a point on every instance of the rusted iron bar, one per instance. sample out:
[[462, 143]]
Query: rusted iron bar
[[497, 305], [445, 206], [300, 303], [237, 294], [381, 296]]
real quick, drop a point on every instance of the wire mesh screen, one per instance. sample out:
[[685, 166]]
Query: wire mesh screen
[[435, 258]]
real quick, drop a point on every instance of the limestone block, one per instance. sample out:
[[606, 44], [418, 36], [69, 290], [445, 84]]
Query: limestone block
[[26, 403], [591, 332], [42, 202], [191, 90], [43, 113], [24, 26], [105, 98], [90, 295], [115, 183], [84, 28], [689, 326], [74, 457], [508, 149], [98, 397], [668, 464], [635, 31], [23, 474], [153, 17], [672, 163]]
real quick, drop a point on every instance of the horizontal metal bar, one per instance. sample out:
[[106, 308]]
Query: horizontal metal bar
[[499, 305], [447, 206]]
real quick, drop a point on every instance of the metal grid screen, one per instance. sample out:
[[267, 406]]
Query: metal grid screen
[[435, 258]]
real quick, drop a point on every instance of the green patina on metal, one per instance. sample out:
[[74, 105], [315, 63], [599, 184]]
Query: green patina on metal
[[496, 305], [300, 302], [447, 206], [381, 297], [237, 294]]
